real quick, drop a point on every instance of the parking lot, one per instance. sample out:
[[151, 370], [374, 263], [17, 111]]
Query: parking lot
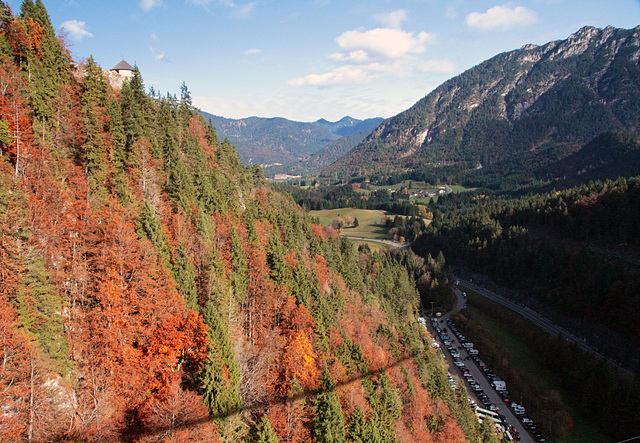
[[488, 394]]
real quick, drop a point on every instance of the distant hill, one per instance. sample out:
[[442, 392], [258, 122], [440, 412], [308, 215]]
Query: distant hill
[[532, 106], [269, 141]]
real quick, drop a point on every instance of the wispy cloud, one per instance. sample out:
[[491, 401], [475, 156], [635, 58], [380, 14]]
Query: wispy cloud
[[239, 11], [76, 29], [254, 51], [451, 12], [345, 75], [148, 5], [162, 58], [501, 18], [368, 55], [244, 11], [393, 19]]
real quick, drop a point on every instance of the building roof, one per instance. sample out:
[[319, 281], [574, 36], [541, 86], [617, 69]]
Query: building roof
[[122, 66]]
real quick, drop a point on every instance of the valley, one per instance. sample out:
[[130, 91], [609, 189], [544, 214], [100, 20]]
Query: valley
[[157, 284]]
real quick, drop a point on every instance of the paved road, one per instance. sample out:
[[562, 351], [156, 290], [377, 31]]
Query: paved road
[[539, 321], [386, 242], [478, 375]]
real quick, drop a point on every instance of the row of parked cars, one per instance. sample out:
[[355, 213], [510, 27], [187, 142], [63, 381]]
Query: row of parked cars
[[449, 341]]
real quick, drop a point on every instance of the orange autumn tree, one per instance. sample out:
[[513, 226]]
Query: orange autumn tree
[[14, 351], [16, 135]]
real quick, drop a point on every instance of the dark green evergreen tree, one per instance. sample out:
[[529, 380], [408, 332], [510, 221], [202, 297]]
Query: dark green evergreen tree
[[359, 431], [220, 378], [93, 152], [329, 425], [184, 274], [150, 227], [47, 67]]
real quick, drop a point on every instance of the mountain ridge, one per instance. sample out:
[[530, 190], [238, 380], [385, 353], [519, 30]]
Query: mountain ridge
[[280, 141], [565, 91]]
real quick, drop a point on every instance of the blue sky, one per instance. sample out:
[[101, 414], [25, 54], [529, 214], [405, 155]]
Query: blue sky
[[310, 59]]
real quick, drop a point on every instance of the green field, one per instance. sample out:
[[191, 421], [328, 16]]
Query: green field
[[370, 222]]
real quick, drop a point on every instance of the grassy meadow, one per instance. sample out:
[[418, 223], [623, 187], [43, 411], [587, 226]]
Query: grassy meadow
[[370, 222]]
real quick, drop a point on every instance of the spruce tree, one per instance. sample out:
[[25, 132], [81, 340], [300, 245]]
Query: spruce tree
[[329, 426], [264, 432], [358, 431], [220, 378]]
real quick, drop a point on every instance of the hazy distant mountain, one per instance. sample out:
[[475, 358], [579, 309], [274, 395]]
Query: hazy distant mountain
[[269, 141], [523, 105]]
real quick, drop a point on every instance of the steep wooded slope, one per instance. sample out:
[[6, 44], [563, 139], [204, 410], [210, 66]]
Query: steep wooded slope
[[153, 288], [526, 100]]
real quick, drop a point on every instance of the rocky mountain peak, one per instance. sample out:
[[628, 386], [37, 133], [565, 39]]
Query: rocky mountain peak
[[565, 91]]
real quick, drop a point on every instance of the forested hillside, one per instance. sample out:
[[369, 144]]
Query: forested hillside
[[572, 256], [576, 250], [153, 288]]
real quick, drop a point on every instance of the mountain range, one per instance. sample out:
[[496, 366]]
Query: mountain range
[[535, 106], [282, 145]]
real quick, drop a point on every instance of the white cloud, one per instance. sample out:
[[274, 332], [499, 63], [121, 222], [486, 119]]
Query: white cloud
[[358, 74], [148, 5], [502, 18], [345, 75], [161, 57], [254, 51], [76, 29], [381, 43], [366, 55], [393, 19], [154, 36]]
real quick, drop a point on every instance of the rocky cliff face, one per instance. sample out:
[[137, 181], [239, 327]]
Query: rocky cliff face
[[566, 91]]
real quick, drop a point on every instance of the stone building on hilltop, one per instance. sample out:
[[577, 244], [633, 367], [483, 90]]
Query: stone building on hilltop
[[123, 68]]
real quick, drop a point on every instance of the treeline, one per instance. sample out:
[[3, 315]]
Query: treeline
[[575, 250], [404, 228], [595, 389], [152, 288]]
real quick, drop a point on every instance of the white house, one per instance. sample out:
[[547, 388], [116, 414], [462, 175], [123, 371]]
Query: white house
[[123, 68]]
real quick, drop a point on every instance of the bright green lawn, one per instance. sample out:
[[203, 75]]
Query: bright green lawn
[[370, 222]]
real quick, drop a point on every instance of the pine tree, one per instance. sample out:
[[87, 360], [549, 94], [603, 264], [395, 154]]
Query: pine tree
[[220, 378], [329, 423], [184, 274], [94, 152], [48, 61], [264, 432], [358, 432], [40, 311]]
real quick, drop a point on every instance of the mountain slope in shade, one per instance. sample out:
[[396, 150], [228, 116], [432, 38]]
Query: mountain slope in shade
[[268, 141], [566, 91]]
